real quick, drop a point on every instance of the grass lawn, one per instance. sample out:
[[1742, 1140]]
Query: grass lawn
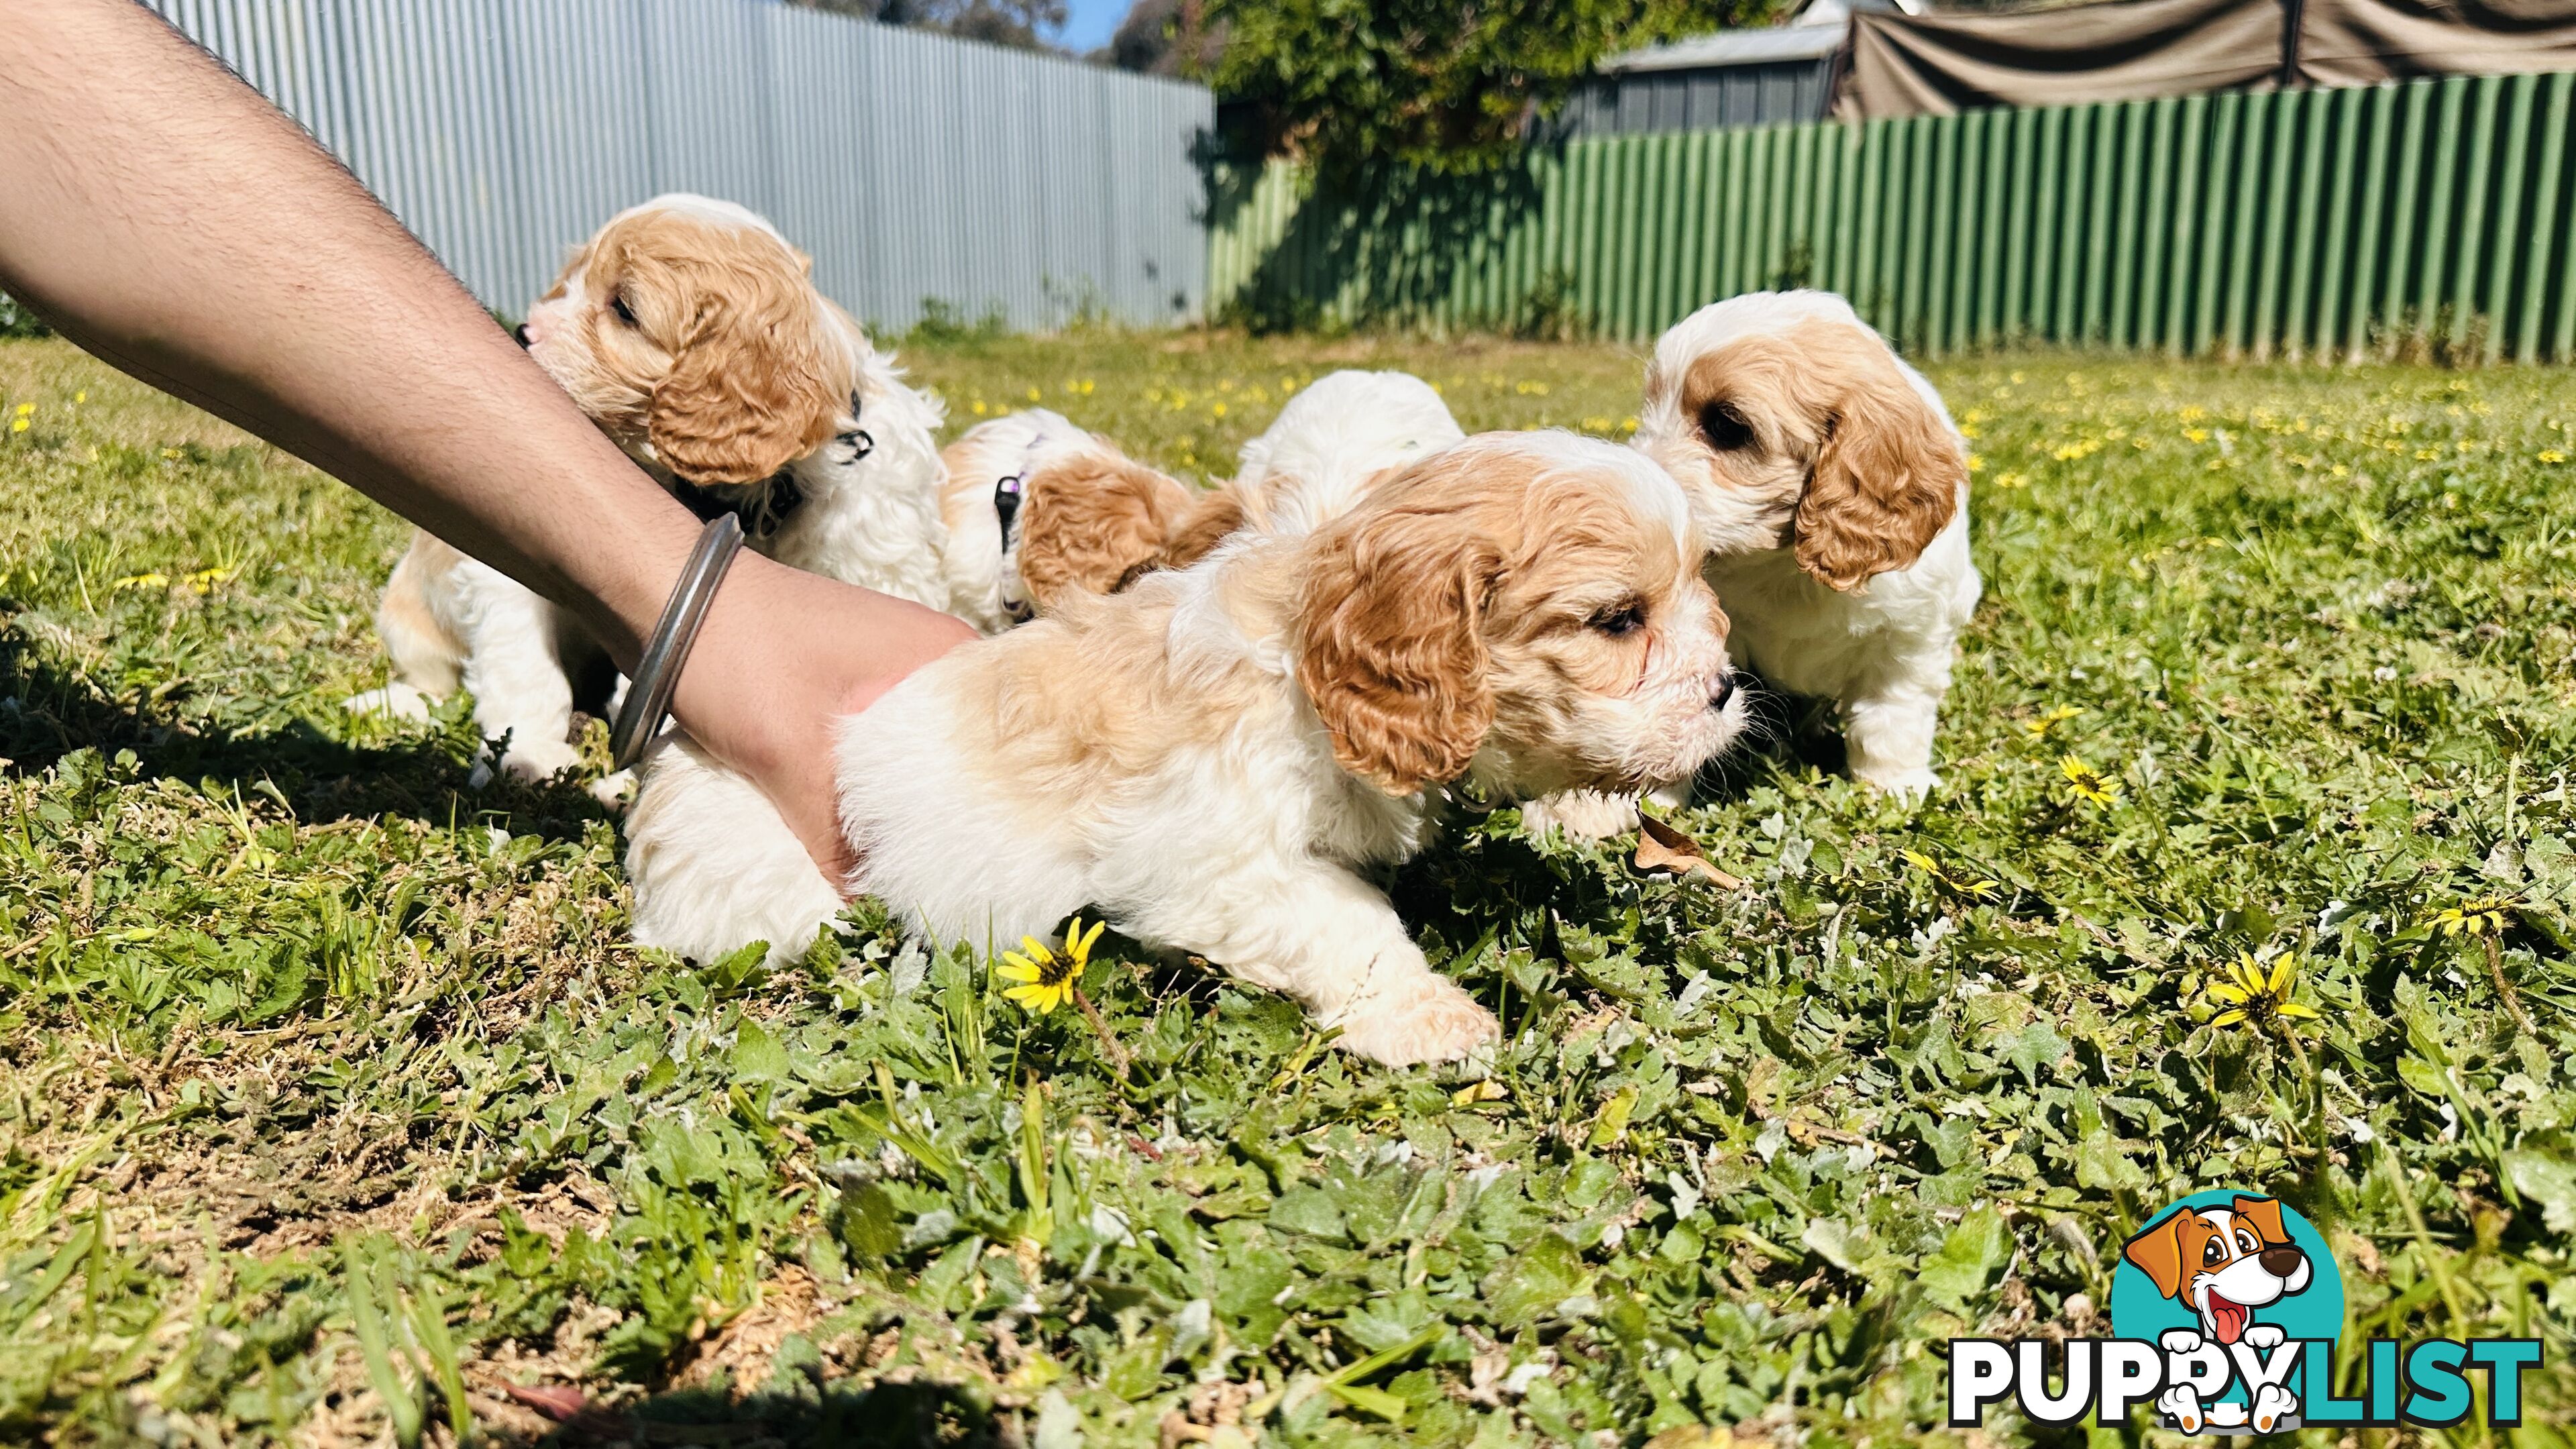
[[333, 1104]]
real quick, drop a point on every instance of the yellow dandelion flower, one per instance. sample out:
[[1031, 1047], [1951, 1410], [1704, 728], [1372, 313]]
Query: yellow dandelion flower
[[1216, 409], [2011, 480], [1970, 887], [2244, 992], [1047, 978], [81, 396], [1627, 425], [2089, 784], [979, 407], [1036, 396], [1976, 462], [25, 408], [2039, 728], [139, 581], [2552, 455]]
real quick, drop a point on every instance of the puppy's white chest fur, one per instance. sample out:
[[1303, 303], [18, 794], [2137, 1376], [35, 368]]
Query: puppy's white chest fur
[[1807, 637]]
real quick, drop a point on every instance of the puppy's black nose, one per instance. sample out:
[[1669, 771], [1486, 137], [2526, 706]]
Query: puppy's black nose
[[520, 332], [1722, 691], [2280, 1262]]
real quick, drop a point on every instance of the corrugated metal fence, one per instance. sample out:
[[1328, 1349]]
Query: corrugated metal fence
[[2323, 223], [912, 166]]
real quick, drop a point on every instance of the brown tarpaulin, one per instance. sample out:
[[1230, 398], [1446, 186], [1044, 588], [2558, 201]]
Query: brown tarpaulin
[[2363, 42], [1915, 65]]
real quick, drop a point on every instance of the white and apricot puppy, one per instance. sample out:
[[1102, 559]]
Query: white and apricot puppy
[[1038, 509], [1212, 758], [1333, 441], [691, 333], [1832, 489]]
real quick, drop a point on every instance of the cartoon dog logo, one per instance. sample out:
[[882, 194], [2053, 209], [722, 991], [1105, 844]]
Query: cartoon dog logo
[[2222, 1264]]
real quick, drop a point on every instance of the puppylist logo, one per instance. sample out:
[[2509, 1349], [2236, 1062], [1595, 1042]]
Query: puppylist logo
[[2225, 1313]]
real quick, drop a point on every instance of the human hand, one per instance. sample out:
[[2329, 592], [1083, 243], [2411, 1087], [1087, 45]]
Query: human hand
[[785, 655]]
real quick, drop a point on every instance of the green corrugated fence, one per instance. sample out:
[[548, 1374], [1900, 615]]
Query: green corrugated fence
[[2307, 224]]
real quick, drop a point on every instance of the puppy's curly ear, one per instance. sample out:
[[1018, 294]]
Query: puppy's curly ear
[[759, 380], [1213, 516], [1888, 474], [1390, 642], [2158, 1252], [1091, 522]]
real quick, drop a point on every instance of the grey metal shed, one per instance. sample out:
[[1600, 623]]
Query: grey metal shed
[[1765, 77]]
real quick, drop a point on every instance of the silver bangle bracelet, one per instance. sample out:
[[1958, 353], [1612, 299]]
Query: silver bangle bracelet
[[648, 693]]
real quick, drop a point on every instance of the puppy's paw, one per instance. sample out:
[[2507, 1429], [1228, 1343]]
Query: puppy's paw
[[1675, 796], [534, 763], [2179, 1340], [1908, 786], [615, 791], [1582, 814], [2273, 1404], [2180, 1405], [2227, 1414], [2264, 1337], [1429, 1020], [396, 700]]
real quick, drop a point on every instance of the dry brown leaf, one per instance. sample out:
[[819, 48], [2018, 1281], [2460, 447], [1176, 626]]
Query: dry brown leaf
[[1661, 847], [556, 1401]]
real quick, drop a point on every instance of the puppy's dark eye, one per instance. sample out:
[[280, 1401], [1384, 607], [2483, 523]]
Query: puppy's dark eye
[[2214, 1251], [617, 304], [1724, 427], [1620, 619]]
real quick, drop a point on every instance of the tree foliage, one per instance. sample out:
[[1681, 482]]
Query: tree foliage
[[1162, 37], [1437, 83], [1020, 24]]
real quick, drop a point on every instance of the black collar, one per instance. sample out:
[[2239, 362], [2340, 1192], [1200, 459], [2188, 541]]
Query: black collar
[[764, 507]]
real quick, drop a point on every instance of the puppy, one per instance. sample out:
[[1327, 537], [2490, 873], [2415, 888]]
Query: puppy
[[1212, 758], [692, 334], [1331, 443], [1038, 509], [1832, 489]]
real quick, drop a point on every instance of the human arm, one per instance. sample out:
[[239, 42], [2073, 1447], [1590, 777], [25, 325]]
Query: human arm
[[166, 218]]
